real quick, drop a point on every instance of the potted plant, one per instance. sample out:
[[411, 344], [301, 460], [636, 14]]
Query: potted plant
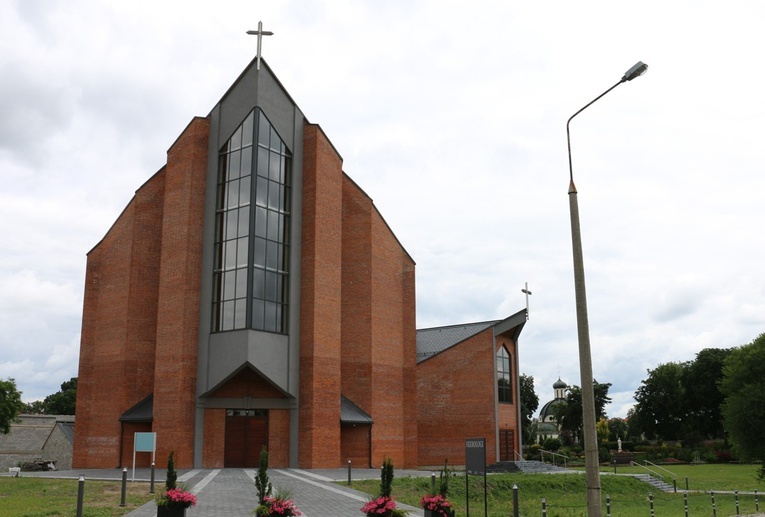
[[384, 505], [437, 505], [279, 504], [174, 500]]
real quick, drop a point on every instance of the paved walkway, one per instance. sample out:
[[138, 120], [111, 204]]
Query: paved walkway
[[231, 492]]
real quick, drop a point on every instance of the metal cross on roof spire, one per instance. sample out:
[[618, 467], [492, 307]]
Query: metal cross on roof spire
[[260, 33], [527, 293]]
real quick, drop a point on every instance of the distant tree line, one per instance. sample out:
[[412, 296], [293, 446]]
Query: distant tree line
[[718, 395], [60, 403], [11, 406]]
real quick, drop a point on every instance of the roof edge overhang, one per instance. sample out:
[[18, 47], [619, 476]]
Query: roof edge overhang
[[143, 411], [350, 413], [511, 326]]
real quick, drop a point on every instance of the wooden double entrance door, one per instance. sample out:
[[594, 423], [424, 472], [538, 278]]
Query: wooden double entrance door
[[506, 445], [246, 435]]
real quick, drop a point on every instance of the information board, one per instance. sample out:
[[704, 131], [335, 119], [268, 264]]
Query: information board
[[144, 442], [475, 456]]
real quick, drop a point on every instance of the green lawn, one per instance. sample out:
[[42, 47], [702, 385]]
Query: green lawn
[[565, 493], [40, 497], [705, 477]]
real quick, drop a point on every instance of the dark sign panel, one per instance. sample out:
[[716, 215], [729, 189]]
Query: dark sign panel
[[475, 456]]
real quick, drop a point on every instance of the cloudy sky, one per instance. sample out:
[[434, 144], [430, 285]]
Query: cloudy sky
[[451, 115]]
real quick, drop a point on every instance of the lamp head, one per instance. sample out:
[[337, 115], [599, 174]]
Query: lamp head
[[636, 71]]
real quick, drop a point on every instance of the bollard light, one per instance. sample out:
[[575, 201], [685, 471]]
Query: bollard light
[[516, 510], [80, 495], [124, 487]]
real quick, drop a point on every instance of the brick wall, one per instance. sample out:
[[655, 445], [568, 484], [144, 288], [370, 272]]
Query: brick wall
[[215, 438], [278, 438], [247, 383], [320, 290], [355, 445], [141, 311], [508, 413], [357, 300], [118, 326], [142, 459], [455, 401], [179, 287], [357, 317], [378, 332]]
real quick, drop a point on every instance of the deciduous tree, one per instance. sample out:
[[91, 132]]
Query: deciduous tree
[[743, 385], [703, 398], [569, 413], [529, 405], [62, 402], [618, 428], [660, 410], [10, 404]]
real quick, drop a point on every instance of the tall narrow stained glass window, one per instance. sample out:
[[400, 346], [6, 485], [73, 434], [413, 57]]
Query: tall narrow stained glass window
[[251, 276], [504, 376]]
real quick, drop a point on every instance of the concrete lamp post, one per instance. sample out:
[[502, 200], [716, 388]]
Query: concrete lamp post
[[583, 330]]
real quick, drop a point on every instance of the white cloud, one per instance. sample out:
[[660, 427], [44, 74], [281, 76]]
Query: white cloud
[[452, 117]]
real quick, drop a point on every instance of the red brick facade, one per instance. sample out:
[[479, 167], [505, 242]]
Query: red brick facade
[[141, 313], [456, 400], [145, 332], [320, 307], [140, 323]]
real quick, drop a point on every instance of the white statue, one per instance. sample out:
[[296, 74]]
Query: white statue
[[619, 444]]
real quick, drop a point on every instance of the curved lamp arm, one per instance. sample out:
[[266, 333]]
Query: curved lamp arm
[[636, 71]]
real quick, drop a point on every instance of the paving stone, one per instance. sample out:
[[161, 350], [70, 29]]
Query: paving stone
[[232, 493]]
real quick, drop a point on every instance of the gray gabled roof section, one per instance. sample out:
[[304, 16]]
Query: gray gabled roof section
[[350, 413], [141, 412], [67, 429], [435, 340]]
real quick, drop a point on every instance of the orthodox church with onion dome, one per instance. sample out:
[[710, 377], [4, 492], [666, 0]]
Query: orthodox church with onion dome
[[547, 424]]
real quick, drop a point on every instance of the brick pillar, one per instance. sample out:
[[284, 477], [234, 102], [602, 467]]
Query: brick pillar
[[409, 320], [178, 307], [320, 290]]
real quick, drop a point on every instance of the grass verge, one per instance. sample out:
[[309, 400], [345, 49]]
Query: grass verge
[[42, 497], [565, 494]]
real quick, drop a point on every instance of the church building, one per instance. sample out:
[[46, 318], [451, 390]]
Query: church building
[[547, 426], [251, 295]]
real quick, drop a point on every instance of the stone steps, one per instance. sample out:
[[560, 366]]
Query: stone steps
[[527, 467], [655, 482]]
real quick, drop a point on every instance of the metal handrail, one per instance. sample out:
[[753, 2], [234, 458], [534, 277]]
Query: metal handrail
[[518, 456], [651, 472], [661, 468], [554, 454]]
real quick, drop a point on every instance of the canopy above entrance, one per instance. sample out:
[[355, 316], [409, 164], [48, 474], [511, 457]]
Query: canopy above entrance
[[350, 413]]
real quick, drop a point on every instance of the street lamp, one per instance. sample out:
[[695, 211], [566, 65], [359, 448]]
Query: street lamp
[[583, 327]]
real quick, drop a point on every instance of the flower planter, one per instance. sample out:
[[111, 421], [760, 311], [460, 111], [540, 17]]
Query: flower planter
[[434, 513], [171, 511]]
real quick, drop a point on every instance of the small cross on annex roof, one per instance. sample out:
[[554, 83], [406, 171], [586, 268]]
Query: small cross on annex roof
[[260, 33]]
